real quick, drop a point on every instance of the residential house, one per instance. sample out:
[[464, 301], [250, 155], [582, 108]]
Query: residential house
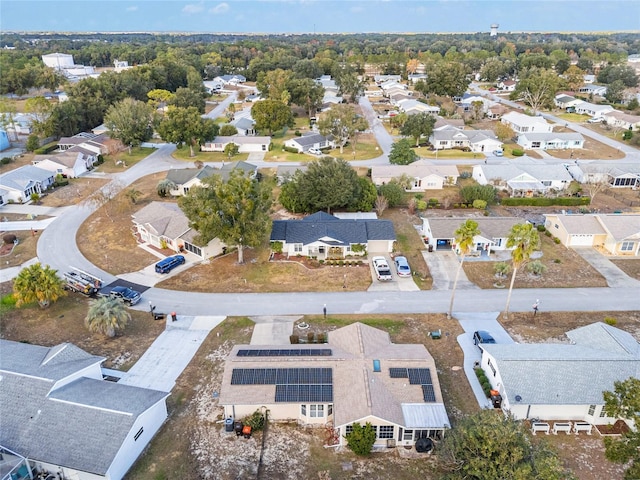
[[423, 175], [439, 233], [523, 179], [284, 173], [213, 86], [359, 375], [616, 174], [507, 85], [397, 90], [245, 126], [309, 140], [24, 181], [230, 79], [186, 178], [521, 123], [324, 236], [60, 415], [88, 141], [562, 381], [475, 140], [591, 89], [589, 79], [550, 141], [20, 124], [595, 111], [616, 234], [466, 102], [411, 107], [70, 163], [392, 84], [566, 101], [495, 111], [246, 144], [4, 197], [164, 225], [416, 77], [398, 97], [379, 79], [622, 120]]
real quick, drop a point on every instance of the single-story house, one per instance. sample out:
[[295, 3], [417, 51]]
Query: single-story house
[[24, 181], [284, 173], [327, 83], [399, 96], [245, 144], [618, 234], [244, 125], [389, 84], [523, 180], [597, 111], [230, 79], [359, 375], [309, 140], [507, 85], [562, 381], [550, 141], [521, 123], [60, 415], [386, 78], [566, 101], [424, 176], [467, 100], [88, 141], [71, 163], [591, 89], [616, 174], [494, 231], [324, 236], [164, 225], [587, 79], [4, 197], [412, 106], [621, 119], [416, 77], [213, 86], [186, 178], [476, 140], [495, 111]]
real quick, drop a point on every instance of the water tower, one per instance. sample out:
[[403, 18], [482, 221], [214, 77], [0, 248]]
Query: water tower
[[494, 29]]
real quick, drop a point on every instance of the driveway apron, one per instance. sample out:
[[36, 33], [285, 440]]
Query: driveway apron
[[615, 276]]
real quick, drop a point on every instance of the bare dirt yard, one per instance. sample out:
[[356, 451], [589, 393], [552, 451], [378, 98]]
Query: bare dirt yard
[[16, 255], [77, 190]]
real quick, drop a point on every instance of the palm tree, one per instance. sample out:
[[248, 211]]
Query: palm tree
[[38, 284], [106, 315], [464, 241], [524, 239], [133, 195]]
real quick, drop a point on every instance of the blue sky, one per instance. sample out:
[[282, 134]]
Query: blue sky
[[322, 16]]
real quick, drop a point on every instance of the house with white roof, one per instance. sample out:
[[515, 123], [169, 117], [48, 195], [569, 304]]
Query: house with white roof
[[393, 84], [449, 137], [440, 234], [595, 111], [379, 79], [62, 417], [309, 140], [616, 174], [416, 77], [562, 381], [521, 123], [617, 234], [468, 99], [523, 179], [185, 179], [359, 375], [591, 89], [24, 181], [624, 120], [411, 107], [230, 79], [246, 144], [424, 176], [550, 141], [70, 163]]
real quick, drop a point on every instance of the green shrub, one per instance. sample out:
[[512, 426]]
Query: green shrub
[[557, 260], [545, 201], [479, 204], [516, 152], [255, 421], [289, 149], [556, 240], [6, 160], [33, 142], [610, 321], [297, 133], [276, 247], [46, 149], [547, 233], [421, 205], [541, 228], [361, 439], [536, 267]]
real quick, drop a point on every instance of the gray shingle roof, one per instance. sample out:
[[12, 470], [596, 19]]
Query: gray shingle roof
[[22, 177], [180, 176], [163, 218], [490, 227], [545, 137], [622, 227], [311, 139]]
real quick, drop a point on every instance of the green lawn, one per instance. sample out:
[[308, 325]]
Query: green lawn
[[573, 117], [424, 152], [128, 159], [183, 154]]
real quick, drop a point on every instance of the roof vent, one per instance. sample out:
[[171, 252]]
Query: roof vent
[[518, 398]]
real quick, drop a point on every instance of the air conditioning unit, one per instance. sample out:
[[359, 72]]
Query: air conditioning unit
[[391, 443]]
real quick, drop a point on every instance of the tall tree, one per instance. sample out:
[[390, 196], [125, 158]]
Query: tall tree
[[574, 77], [107, 315], [40, 108], [447, 79], [624, 402], [186, 97], [271, 115], [186, 126], [306, 93], [328, 183], [342, 123], [615, 91], [402, 153], [523, 240], [235, 211], [130, 121], [537, 88], [346, 78], [8, 112], [464, 235], [418, 125], [36, 283], [274, 85]]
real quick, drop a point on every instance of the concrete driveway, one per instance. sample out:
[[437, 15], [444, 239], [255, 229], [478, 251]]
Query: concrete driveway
[[398, 284], [615, 276], [273, 330], [443, 266]]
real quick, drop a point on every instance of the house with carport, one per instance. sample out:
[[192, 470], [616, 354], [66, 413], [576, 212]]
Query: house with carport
[[521, 123], [562, 381], [479, 141], [523, 179], [359, 375], [164, 225], [439, 233], [246, 144], [593, 110], [61, 417], [622, 120], [325, 236], [423, 175]]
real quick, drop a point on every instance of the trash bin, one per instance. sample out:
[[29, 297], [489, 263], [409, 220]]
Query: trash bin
[[431, 248], [174, 317], [228, 425], [237, 427], [159, 316]]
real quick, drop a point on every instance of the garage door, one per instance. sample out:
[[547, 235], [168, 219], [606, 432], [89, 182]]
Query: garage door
[[581, 240]]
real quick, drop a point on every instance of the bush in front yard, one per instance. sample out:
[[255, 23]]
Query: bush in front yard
[[361, 439]]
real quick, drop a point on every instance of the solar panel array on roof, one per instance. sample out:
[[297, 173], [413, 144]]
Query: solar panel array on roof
[[398, 373], [286, 352], [304, 393], [281, 376], [428, 393], [419, 376]]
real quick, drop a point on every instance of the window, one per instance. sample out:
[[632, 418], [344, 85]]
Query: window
[[592, 409], [330, 409], [626, 246], [264, 148], [137, 435], [297, 247], [303, 410], [386, 431], [603, 412], [493, 369], [408, 435], [185, 190], [348, 429], [316, 411], [535, 144]]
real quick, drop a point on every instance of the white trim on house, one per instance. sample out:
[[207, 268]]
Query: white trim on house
[[521, 123]]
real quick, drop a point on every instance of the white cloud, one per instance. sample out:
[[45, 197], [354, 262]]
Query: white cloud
[[193, 8], [220, 8], [133, 8]]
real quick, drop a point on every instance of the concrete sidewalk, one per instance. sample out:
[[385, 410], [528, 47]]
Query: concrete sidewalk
[[10, 273], [273, 330]]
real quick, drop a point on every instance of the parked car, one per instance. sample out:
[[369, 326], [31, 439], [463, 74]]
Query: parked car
[[482, 336], [169, 263], [498, 152], [126, 294], [315, 151], [402, 266], [383, 272]]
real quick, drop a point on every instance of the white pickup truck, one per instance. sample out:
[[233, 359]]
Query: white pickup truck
[[383, 272]]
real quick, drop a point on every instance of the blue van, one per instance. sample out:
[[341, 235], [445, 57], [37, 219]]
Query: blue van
[[169, 263]]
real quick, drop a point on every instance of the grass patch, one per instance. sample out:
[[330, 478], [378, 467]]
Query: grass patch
[[25, 250], [424, 152], [129, 159], [184, 155], [574, 117]]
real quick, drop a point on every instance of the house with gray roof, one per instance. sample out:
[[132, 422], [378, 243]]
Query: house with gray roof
[[449, 137], [523, 179], [284, 173], [24, 181], [622, 120], [595, 111], [562, 381], [550, 141], [591, 89], [246, 144], [359, 375], [186, 178], [616, 174], [309, 140], [411, 107], [439, 233], [71, 163], [423, 174], [164, 225], [244, 125], [325, 236], [62, 417], [566, 101]]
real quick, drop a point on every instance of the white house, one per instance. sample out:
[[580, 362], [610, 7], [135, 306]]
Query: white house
[[246, 144], [521, 123], [596, 111], [380, 79], [507, 85], [523, 179], [562, 381], [164, 225], [475, 140], [550, 141], [616, 174], [424, 176], [412, 106], [186, 178], [359, 375], [230, 79], [591, 89], [59, 413], [70, 163], [622, 120], [309, 140], [566, 101], [58, 61], [24, 181]]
